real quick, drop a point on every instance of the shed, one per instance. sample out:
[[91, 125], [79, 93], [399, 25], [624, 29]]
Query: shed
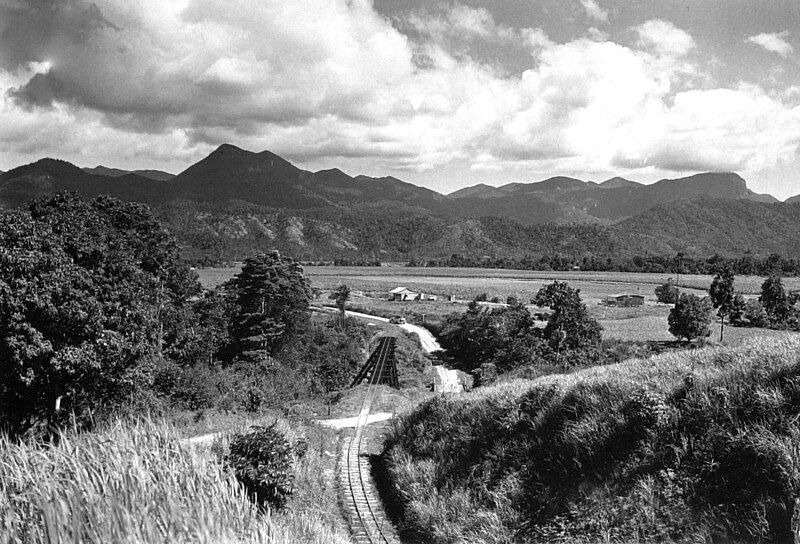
[[402, 293], [624, 300]]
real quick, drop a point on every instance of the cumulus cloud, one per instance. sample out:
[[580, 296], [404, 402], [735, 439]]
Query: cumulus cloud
[[664, 38], [164, 82], [773, 42], [594, 10]]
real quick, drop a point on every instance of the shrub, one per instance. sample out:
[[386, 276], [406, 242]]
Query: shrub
[[262, 462], [754, 314]]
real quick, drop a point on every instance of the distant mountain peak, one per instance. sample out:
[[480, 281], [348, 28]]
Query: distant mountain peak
[[618, 182]]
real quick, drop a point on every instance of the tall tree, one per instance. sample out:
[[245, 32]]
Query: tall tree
[[341, 295], [774, 300], [722, 295], [272, 297], [569, 326], [690, 317]]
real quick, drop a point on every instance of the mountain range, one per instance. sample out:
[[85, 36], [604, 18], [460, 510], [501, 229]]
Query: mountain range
[[234, 200]]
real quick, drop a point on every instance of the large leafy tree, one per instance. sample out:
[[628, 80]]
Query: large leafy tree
[[272, 297], [505, 337], [722, 295], [570, 326], [690, 317], [84, 287]]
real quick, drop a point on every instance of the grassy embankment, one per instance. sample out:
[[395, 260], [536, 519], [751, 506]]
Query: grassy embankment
[[137, 483], [692, 446]]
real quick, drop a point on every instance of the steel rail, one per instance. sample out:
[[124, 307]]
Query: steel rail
[[365, 511]]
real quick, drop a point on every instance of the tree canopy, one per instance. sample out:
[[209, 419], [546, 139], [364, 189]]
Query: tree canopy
[[84, 290], [272, 297]]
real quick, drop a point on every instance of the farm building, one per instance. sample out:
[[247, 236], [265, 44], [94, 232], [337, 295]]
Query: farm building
[[624, 301], [402, 293]]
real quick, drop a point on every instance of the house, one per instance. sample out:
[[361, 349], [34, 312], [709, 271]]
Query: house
[[402, 293], [624, 300]]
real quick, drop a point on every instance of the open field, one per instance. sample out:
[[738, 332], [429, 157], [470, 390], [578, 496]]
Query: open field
[[467, 282], [648, 322]]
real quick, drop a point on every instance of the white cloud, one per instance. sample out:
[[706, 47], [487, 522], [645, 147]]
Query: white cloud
[[664, 38], [594, 10], [773, 42], [159, 83]]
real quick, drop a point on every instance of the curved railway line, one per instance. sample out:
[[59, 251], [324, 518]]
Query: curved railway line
[[367, 520]]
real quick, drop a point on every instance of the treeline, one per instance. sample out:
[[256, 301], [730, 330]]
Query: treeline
[[747, 264], [99, 315]]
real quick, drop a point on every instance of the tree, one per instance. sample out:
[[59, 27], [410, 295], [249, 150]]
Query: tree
[[722, 295], [667, 293], [569, 326], [736, 316], [341, 295], [774, 300], [272, 297], [85, 288], [690, 317]]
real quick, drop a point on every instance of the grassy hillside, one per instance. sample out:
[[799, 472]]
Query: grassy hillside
[[692, 446], [136, 483]]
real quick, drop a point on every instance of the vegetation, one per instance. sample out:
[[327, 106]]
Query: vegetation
[[99, 316], [722, 295], [272, 297], [134, 482], [262, 462], [774, 300], [91, 293], [341, 295], [487, 341], [689, 446], [690, 317], [667, 293]]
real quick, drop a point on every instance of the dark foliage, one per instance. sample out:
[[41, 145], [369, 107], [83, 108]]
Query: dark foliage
[[690, 317], [262, 461], [667, 293], [271, 296], [88, 292]]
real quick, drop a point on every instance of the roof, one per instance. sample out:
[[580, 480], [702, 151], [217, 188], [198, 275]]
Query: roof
[[397, 290], [627, 295]]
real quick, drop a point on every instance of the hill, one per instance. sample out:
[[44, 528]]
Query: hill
[[684, 447], [567, 200], [48, 176], [100, 170], [235, 200], [706, 226]]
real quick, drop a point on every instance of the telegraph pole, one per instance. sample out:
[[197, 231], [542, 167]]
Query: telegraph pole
[[679, 259]]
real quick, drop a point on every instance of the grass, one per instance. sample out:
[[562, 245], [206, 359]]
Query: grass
[[137, 483], [701, 445]]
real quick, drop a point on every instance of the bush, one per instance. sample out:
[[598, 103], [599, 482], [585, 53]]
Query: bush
[[262, 462], [754, 314]]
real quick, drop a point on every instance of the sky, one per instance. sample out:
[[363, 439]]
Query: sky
[[439, 94]]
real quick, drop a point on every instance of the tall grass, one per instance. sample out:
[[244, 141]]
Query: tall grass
[[688, 446], [135, 483]]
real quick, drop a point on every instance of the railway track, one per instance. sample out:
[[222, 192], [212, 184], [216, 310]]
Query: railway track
[[367, 520]]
